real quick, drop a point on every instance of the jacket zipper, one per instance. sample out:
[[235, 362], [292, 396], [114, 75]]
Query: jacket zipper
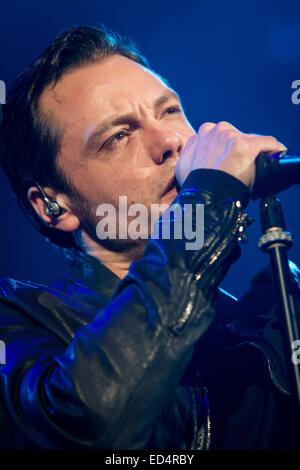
[[227, 241]]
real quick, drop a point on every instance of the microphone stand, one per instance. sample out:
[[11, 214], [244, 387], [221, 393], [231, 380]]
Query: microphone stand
[[276, 241]]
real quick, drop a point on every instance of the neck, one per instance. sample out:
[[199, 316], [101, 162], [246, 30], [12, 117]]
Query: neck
[[116, 261]]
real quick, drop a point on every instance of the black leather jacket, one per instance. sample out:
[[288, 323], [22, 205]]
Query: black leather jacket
[[163, 359]]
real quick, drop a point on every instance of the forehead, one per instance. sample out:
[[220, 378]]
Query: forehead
[[111, 84]]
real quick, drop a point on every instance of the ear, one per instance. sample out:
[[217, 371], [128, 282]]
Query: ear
[[67, 221]]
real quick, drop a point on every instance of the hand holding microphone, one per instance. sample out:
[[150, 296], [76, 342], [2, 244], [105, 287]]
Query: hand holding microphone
[[223, 147]]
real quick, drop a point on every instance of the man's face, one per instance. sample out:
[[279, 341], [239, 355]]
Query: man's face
[[123, 132]]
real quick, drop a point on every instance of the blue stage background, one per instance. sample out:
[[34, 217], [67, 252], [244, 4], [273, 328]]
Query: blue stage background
[[232, 61]]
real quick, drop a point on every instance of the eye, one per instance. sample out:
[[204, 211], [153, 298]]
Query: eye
[[173, 110], [119, 136], [114, 141]]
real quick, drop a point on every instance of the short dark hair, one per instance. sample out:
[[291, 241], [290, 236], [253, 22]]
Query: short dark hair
[[29, 140]]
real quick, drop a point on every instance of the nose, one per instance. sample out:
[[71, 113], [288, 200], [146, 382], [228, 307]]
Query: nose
[[164, 143]]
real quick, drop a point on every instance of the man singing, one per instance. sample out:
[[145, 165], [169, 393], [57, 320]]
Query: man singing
[[136, 347]]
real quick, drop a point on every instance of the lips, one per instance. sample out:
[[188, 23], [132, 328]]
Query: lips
[[172, 189], [170, 186]]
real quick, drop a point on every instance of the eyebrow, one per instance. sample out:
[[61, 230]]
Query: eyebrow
[[125, 119]]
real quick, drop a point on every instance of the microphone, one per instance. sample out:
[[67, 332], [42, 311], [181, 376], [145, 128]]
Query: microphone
[[275, 173]]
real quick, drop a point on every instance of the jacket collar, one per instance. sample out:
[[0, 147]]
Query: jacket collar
[[94, 275]]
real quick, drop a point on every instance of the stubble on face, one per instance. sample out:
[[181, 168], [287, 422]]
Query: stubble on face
[[86, 212], [79, 108]]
